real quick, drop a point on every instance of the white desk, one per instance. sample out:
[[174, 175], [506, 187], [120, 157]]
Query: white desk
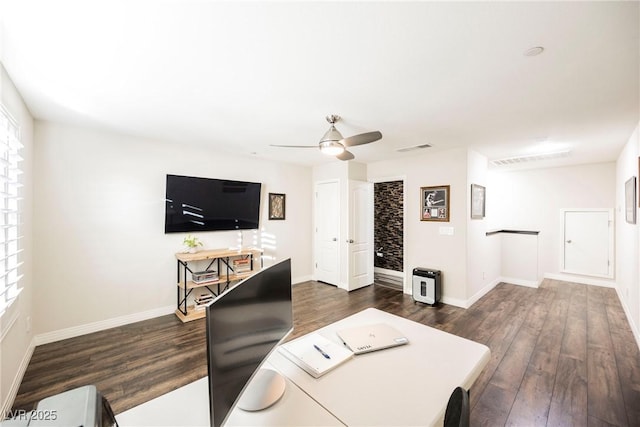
[[407, 385]]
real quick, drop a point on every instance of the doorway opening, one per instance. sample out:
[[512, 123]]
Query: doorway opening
[[388, 234]]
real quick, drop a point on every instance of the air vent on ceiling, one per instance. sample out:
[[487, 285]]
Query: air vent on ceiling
[[529, 158], [416, 147]]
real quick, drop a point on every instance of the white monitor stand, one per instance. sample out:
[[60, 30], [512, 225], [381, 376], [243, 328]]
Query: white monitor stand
[[265, 389]]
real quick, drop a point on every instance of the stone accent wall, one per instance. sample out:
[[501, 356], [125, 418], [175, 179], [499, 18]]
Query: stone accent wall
[[388, 224]]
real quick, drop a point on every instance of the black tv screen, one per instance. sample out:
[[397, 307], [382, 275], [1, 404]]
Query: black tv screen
[[243, 326], [205, 204]]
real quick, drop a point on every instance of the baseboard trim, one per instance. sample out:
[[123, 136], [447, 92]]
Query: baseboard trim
[[627, 312], [482, 292], [520, 282], [101, 325], [607, 283], [301, 279], [17, 380], [454, 301]]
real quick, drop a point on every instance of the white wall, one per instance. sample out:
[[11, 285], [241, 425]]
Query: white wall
[[628, 236], [483, 252], [425, 246], [16, 338], [532, 199], [101, 252]]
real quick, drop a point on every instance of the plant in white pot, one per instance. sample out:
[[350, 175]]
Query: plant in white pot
[[191, 244]]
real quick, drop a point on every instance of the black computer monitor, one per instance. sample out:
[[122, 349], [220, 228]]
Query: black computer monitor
[[244, 325]]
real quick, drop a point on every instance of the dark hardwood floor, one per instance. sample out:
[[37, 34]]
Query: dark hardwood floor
[[561, 355]]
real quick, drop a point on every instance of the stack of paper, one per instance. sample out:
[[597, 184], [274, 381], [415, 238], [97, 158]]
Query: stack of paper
[[315, 353]]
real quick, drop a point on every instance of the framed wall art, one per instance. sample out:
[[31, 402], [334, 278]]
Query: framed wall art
[[276, 206], [478, 193], [630, 200], [434, 203]]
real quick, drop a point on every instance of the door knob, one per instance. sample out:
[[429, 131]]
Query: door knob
[[335, 239], [350, 241], [568, 241]]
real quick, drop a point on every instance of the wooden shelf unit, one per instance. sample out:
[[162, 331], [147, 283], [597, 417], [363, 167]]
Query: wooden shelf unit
[[223, 260]]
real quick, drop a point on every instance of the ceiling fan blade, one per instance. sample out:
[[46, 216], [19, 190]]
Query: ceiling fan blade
[[345, 155], [295, 146], [363, 138]]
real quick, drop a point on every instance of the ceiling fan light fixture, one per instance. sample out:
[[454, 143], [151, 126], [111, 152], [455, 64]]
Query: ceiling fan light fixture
[[331, 148]]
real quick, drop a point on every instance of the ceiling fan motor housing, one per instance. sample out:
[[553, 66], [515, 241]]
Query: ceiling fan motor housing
[[331, 135]]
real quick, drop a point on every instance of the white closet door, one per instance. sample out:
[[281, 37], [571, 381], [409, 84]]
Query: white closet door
[[588, 242]]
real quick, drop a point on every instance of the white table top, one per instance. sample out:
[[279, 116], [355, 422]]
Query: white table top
[[406, 385]]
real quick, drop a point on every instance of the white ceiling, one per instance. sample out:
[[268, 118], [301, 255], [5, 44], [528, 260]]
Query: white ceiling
[[242, 75]]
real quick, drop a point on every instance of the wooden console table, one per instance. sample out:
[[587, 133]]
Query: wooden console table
[[219, 260]]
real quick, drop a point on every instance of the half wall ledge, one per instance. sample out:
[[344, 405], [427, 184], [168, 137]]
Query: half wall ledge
[[533, 233]]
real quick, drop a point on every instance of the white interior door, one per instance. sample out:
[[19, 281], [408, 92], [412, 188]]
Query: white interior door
[[588, 242], [360, 239], [327, 214]]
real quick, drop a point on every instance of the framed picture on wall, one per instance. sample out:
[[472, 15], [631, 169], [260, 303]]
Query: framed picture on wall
[[630, 200], [276, 206], [434, 203], [478, 193]]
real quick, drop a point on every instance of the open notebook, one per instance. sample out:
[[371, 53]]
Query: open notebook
[[315, 354]]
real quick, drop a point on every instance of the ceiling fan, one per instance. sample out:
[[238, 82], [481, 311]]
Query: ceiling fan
[[333, 144]]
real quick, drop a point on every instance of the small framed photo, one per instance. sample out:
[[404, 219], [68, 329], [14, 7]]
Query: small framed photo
[[478, 193], [276, 206], [434, 203], [630, 200]]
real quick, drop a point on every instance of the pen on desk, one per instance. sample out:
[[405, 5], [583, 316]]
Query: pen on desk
[[326, 356]]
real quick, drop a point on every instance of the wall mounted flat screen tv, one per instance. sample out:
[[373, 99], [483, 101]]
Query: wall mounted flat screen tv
[[205, 204]]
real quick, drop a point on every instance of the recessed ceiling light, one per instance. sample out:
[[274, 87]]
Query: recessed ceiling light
[[534, 51]]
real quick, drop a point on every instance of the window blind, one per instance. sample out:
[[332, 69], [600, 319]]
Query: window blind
[[10, 237]]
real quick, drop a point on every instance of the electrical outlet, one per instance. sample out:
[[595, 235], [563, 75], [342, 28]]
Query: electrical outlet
[[28, 323], [484, 275]]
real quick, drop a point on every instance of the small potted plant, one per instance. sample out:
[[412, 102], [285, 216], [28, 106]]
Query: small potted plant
[[191, 243]]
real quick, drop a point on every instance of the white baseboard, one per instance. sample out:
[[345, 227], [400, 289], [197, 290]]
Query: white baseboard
[[17, 380], [634, 328], [301, 279], [454, 301], [482, 292], [469, 302], [101, 325], [520, 282], [607, 283]]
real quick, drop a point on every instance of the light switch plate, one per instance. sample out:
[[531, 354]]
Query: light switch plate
[[446, 231]]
